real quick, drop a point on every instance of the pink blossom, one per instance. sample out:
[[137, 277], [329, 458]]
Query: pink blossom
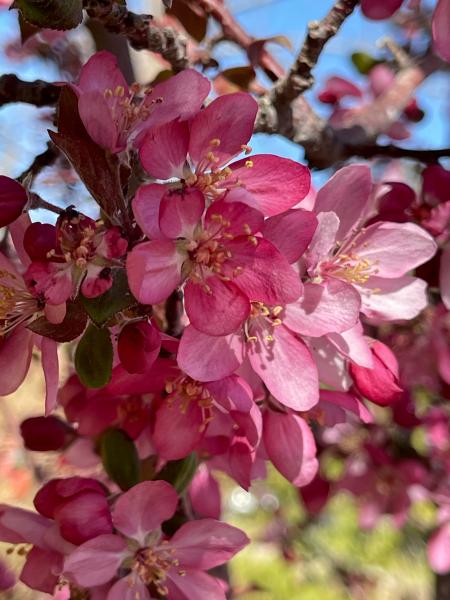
[[43, 434], [380, 9], [138, 556], [13, 198], [220, 258], [441, 27], [114, 113], [197, 156], [138, 346], [438, 545]]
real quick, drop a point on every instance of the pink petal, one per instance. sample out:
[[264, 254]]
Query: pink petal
[[438, 546], [178, 429], [324, 239], [324, 308], [95, 112], [129, 587], [240, 462], [290, 446], [7, 578], [271, 184], [337, 88], [209, 358], [242, 218], [291, 232], [50, 365], [15, 357], [143, 508], [204, 494], [207, 543], [154, 270], [219, 311], [18, 525], [265, 274], [394, 248], [41, 570], [84, 517], [353, 345], [96, 562], [195, 585], [334, 404], [286, 367], [101, 72], [146, 205], [233, 393], [380, 9], [381, 77], [394, 299], [444, 277], [441, 29], [353, 182], [180, 213], [230, 120], [163, 151]]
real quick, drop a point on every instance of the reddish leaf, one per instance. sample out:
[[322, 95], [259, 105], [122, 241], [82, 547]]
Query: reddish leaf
[[71, 327], [192, 17]]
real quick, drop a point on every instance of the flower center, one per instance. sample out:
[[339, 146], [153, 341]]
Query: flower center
[[351, 268], [17, 305], [263, 319], [185, 390], [151, 565]]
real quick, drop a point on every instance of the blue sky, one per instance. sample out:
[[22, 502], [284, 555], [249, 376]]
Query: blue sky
[[22, 134]]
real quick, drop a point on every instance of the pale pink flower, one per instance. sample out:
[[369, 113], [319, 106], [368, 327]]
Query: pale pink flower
[[138, 558]]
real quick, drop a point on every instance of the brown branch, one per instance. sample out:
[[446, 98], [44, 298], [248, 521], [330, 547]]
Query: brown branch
[[300, 77], [41, 161], [139, 31], [391, 151], [39, 93]]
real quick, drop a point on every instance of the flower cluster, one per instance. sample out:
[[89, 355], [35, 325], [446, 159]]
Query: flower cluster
[[220, 322]]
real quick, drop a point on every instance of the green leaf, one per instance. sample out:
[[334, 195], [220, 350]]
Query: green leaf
[[70, 328], [117, 298], [364, 62], [120, 458], [94, 357], [179, 472], [54, 14]]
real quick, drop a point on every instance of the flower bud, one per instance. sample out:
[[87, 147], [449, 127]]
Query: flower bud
[[44, 434], [13, 198], [39, 239], [138, 346], [379, 384]]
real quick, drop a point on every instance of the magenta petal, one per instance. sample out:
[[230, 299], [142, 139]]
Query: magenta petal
[[7, 577], [269, 183], [438, 546], [290, 446], [228, 119], [178, 429], [394, 248], [95, 112], [266, 276], [444, 277], [163, 152], [242, 218], [380, 9], [353, 182], [84, 517], [291, 232], [286, 367], [154, 270], [15, 357], [101, 72], [195, 585], [146, 205], [441, 29], [353, 345], [206, 543], [219, 311], [96, 562], [129, 587], [13, 198], [209, 358], [334, 405], [41, 570], [18, 525], [180, 213], [144, 507], [233, 393], [324, 308], [50, 365], [204, 494]]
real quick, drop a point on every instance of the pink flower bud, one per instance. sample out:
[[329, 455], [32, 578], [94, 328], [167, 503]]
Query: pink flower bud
[[379, 384], [13, 198], [39, 240], [78, 505], [44, 434], [138, 346]]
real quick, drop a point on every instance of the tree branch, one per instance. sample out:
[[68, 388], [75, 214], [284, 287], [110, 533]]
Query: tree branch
[[41, 161], [39, 93], [391, 151], [116, 18], [300, 77]]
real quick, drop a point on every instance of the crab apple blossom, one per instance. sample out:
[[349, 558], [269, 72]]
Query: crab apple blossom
[[139, 559], [13, 198]]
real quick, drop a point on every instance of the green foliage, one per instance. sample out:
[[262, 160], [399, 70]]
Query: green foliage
[[54, 14], [364, 62], [94, 357], [120, 458], [179, 472], [117, 298]]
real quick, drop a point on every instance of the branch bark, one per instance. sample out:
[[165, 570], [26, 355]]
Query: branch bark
[[39, 93], [391, 151], [139, 31]]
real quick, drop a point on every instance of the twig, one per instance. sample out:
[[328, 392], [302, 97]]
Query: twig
[[300, 77], [139, 31], [41, 161], [39, 93], [391, 151], [35, 201]]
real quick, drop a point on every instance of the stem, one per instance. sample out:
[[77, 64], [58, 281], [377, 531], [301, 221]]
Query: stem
[[35, 201]]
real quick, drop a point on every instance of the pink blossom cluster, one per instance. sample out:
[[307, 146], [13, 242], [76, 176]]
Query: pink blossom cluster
[[244, 335]]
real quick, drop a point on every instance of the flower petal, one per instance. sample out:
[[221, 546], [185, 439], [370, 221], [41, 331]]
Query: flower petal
[[291, 232], [380, 9], [143, 508], [15, 357], [441, 28], [180, 213], [50, 365], [163, 151], [194, 585], [154, 270], [130, 587], [438, 546], [444, 277], [178, 429], [394, 299], [146, 205]]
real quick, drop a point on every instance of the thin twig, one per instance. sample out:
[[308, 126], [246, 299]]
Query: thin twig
[[39, 93], [391, 151], [139, 31], [41, 161], [35, 201]]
